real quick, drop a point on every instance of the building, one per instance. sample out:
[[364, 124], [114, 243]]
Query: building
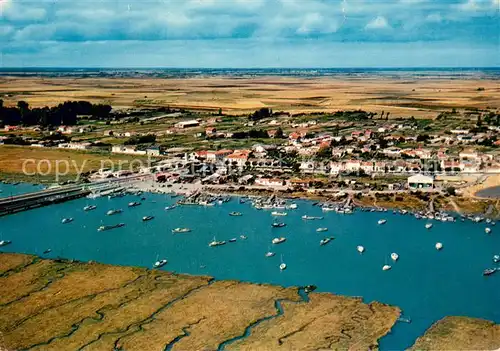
[[75, 146], [420, 181], [129, 150], [153, 151], [271, 182], [187, 124]]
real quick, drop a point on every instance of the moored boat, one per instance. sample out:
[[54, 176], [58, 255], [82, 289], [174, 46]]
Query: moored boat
[[278, 214], [147, 218], [181, 230], [113, 212], [282, 264], [319, 230], [311, 218], [439, 246], [47, 251], [428, 226], [487, 230], [243, 237], [278, 225], [382, 221], [278, 240], [270, 254], [325, 241], [160, 263], [5, 242], [386, 267], [214, 243], [235, 214], [394, 256], [109, 227], [496, 258], [489, 271], [310, 288], [134, 204], [168, 208], [360, 249], [66, 220], [233, 240], [89, 207]]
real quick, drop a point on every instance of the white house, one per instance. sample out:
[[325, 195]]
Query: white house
[[420, 181], [153, 151], [75, 146], [187, 124], [272, 182], [129, 150]]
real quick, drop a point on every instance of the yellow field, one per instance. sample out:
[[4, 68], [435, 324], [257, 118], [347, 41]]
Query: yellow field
[[419, 98]]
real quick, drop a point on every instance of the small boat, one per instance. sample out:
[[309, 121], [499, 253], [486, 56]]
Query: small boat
[[214, 243], [278, 240], [270, 254], [325, 241], [278, 214], [113, 212], [394, 256], [235, 214], [109, 227], [489, 271], [496, 258], [311, 218], [134, 204], [487, 230], [233, 240], [5, 242], [147, 218], [160, 263], [310, 288], [428, 226], [488, 220], [67, 220], [243, 237], [327, 209], [181, 230], [360, 249], [382, 221], [89, 207], [439, 246], [386, 267], [293, 206], [47, 251], [168, 208], [242, 201], [319, 230], [278, 225], [282, 264]]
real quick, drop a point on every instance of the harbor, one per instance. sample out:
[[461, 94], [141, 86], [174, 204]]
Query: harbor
[[339, 267]]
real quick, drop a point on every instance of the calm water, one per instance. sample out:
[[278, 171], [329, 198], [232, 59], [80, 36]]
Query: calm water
[[425, 283]]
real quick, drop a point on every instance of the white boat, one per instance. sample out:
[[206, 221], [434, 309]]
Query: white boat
[[243, 237], [382, 221], [67, 220], [278, 240], [214, 243], [311, 218], [487, 230], [360, 249], [270, 254], [147, 218], [170, 207], [160, 263], [325, 241], [439, 246], [386, 267], [181, 230], [235, 214], [394, 256], [428, 226], [5, 242], [319, 230], [278, 214], [327, 209], [282, 264], [89, 207], [134, 204], [113, 212], [293, 206]]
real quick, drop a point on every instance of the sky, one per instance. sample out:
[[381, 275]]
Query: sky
[[250, 33]]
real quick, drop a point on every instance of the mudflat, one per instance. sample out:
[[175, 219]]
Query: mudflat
[[403, 97]]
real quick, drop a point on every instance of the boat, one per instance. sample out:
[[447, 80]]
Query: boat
[[278, 240], [293, 206], [310, 288], [282, 264], [181, 230], [214, 243], [394, 256], [5, 242], [487, 230], [311, 218], [382, 221], [147, 218], [496, 258], [428, 226], [109, 227], [113, 212], [233, 240], [170, 207], [278, 214], [243, 237], [325, 241], [319, 230], [89, 207], [47, 251], [360, 249], [67, 220], [328, 209], [160, 263], [235, 214], [439, 246], [270, 254], [134, 204], [278, 225], [489, 271], [386, 267]]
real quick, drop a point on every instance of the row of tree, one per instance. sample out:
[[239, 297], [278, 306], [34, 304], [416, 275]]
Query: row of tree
[[62, 114]]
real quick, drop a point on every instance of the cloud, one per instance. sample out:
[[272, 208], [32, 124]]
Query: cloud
[[379, 22]]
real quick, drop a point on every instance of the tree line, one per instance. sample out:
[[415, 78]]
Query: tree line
[[62, 114]]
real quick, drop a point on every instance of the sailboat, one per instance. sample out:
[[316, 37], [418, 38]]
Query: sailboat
[[282, 264]]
